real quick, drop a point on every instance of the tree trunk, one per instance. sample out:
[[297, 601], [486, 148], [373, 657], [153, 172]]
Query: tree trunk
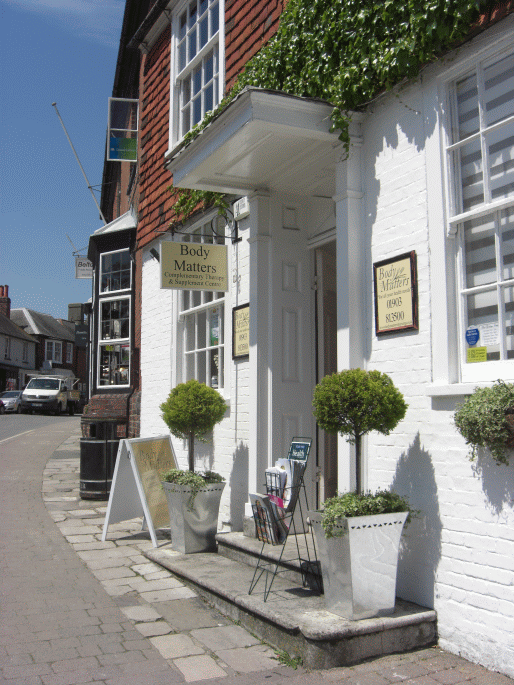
[[192, 452], [358, 484]]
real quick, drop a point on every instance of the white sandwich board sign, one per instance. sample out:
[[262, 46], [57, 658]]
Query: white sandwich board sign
[[136, 486]]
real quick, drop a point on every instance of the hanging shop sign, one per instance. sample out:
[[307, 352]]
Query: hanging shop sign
[[122, 128], [83, 268], [241, 331], [81, 334], [396, 294], [194, 266]]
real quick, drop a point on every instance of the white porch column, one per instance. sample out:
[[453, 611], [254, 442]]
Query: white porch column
[[260, 330], [351, 273]]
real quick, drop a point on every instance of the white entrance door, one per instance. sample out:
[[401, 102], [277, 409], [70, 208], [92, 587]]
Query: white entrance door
[[292, 347]]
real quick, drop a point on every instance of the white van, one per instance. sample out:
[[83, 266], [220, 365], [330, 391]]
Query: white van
[[53, 394]]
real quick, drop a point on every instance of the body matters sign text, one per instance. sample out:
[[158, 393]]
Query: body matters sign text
[[396, 297], [194, 266]]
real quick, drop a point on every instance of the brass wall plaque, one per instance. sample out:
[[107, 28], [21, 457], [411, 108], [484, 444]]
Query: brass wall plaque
[[396, 294], [241, 331]]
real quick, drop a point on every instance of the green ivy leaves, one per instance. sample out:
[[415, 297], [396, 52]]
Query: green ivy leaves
[[188, 201], [347, 52]]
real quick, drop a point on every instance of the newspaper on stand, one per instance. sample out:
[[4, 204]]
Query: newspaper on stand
[[269, 523]]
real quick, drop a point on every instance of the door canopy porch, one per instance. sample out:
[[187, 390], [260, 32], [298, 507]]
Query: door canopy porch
[[263, 140]]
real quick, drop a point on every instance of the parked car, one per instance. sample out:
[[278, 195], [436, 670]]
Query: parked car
[[2, 407], [11, 400]]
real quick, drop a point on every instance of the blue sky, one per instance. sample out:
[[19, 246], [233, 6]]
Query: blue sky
[[61, 51]]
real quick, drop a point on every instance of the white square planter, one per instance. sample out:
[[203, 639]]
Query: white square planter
[[193, 530], [359, 568]]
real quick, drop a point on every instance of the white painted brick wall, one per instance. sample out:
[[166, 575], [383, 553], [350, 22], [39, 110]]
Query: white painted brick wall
[[155, 348], [227, 453], [458, 555]]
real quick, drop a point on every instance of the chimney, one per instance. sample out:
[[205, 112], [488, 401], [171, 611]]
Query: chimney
[[76, 312], [5, 301]]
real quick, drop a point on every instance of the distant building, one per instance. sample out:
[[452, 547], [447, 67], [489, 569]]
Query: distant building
[[55, 344], [17, 348]]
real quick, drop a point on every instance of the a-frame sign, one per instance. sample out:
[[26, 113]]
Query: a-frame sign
[[136, 486]]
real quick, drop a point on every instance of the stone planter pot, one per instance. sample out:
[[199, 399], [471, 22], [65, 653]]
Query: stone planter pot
[[359, 568], [193, 529]]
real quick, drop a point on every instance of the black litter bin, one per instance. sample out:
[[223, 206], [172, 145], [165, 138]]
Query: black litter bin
[[97, 460]]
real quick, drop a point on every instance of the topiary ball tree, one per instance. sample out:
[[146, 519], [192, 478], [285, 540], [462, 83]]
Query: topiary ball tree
[[192, 410], [483, 419], [355, 402]]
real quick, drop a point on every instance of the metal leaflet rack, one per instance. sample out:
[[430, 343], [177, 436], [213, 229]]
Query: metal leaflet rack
[[274, 523]]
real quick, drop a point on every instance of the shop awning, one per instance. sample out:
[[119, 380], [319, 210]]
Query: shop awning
[[262, 140], [127, 220]]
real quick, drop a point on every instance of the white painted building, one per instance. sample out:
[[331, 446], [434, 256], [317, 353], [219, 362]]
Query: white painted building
[[430, 173]]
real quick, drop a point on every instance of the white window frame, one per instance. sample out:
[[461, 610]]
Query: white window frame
[[179, 75], [101, 302], [69, 353], [101, 292], [113, 343], [52, 356], [490, 370], [105, 342]]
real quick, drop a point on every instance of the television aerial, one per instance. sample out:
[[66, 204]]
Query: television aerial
[[54, 104]]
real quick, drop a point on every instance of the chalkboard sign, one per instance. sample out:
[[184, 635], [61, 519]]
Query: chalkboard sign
[[136, 484]]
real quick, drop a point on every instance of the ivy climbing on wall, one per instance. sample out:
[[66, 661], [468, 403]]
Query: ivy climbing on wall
[[348, 51]]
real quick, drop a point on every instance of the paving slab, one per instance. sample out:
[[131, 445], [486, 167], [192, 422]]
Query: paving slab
[[196, 668], [224, 637], [250, 660], [173, 646], [154, 629], [141, 614]]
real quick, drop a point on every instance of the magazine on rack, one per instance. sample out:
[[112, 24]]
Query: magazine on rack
[[294, 471], [269, 523]]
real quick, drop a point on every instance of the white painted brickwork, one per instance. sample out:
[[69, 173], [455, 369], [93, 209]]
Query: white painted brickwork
[[228, 452], [155, 348], [458, 555]]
